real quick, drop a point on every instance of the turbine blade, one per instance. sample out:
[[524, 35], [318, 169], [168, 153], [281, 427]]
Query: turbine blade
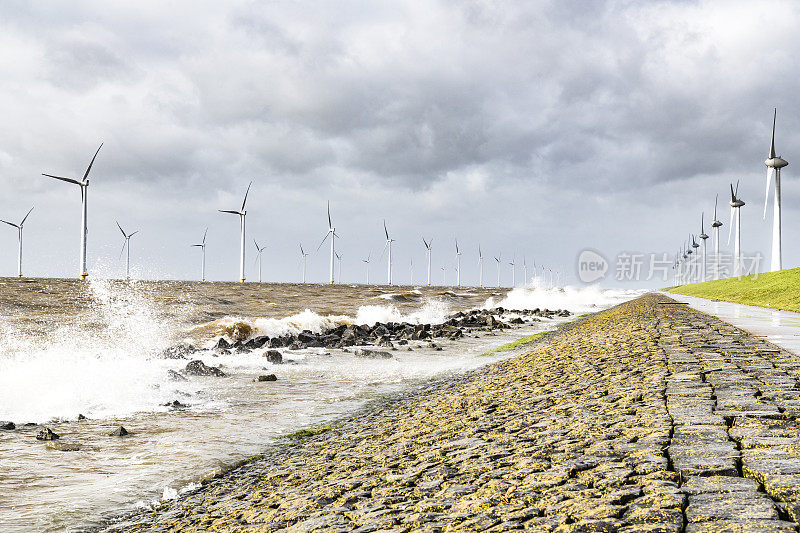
[[245, 195], [766, 193], [772, 144], [330, 224], [134, 233], [86, 175], [737, 189], [730, 228], [204, 235], [68, 180], [26, 218], [716, 198], [325, 238], [123, 248], [195, 245], [385, 230], [10, 223], [733, 195], [231, 212], [122, 230]]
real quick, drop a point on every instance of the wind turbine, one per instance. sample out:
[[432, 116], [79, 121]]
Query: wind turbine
[[774, 166], [126, 244], [19, 236], [367, 263], [703, 237], [303, 254], [458, 265], [84, 185], [513, 272], [333, 235], [202, 246], [259, 249], [736, 208], [388, 246], [444, 276], [428, 245], [480, 267], [497, 259], [524, 272], [411, 268], [715, 225], [696, 253], [242, 216]]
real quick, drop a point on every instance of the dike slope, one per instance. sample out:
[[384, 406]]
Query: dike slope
[[649, 416]]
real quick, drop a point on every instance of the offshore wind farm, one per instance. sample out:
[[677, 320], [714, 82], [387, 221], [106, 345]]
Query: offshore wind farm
[[408, 266]]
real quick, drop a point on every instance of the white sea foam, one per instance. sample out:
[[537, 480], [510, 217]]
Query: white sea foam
[[575, 299], [98, 367]]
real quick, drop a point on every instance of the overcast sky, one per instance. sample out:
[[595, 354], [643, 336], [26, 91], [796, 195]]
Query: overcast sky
[[531, 128]]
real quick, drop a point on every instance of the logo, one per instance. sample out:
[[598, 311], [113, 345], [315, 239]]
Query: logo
[[591, 266]]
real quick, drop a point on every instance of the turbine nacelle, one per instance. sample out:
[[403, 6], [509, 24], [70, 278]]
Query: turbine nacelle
[[716, 224], [776, 162]]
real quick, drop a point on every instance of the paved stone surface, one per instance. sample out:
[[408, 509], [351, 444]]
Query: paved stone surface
[[647, 417]]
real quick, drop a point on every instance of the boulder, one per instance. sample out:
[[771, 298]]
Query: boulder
[[350, 334], [81, 417], [274, 356], [175, 404], [222, 344], [64, 446], [268, 377], [372, 354], [47, 434], [175, 376], [119, 432], [384, 342], [179, 351], [199, 368], [5, 424]]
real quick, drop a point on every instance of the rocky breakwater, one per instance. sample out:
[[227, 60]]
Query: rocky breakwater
[[647, 417]]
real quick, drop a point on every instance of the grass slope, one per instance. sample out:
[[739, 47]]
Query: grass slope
[[776, 290]]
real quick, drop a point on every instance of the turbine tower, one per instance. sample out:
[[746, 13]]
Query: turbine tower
[[480, 267], [458, 265], [715, 225], [333, 235], [303, 254], [366, 261], [388, 246], [242, 216], [703, 237], [84, 185], [259, 249], [202, 247], [411, 269], [774, 166], [513, 272], [736, 208], [126, 244], [696, 253], [497, 259], [19, 237], [428, 249], [339, 260]]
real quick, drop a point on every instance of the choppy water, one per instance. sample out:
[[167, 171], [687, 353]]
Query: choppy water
[[92, 348]]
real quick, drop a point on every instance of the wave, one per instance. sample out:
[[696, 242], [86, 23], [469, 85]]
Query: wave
[[575, 299]]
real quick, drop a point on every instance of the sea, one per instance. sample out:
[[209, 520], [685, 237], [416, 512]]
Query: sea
[[85, 357]]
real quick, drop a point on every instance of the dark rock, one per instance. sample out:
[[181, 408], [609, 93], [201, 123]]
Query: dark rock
[[257, 342], [372, 354], [175, 404], [350, 334], [64, 446], [268, 377], [175, 376], [119, 432], [517, 320], [274, 356], [47, 434], [222, 344], [383, 342], [179, 351], [199, 368], [81, 417], [4, 424]]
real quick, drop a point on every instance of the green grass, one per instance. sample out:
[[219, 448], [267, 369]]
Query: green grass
[[303, 434], [775, 290], [517, 343]]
